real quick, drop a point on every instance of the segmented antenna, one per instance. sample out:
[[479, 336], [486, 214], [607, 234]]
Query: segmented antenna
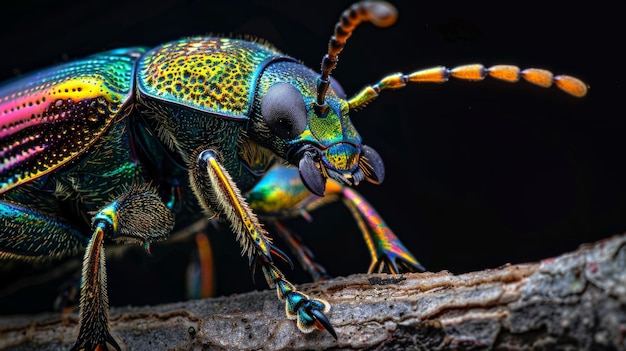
[[379, 13]]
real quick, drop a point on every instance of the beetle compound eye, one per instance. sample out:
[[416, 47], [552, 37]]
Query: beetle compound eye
[[284, 111]]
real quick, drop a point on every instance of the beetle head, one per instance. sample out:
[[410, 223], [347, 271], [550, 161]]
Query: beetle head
[[308, 118], [321, 143]]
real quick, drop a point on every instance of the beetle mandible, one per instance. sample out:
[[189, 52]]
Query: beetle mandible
[[130, 144]]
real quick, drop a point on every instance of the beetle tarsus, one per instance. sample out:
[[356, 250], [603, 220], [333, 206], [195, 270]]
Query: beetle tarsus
[[309, 313], [322, 320], [394, 264]]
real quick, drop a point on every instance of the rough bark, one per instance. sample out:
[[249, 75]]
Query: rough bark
[[576, 301]]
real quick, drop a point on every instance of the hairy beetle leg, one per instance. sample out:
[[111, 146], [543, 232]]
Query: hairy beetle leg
[[215, 189], [138, 216], [94, 331]]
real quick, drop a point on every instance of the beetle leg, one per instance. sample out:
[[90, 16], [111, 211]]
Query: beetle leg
[[140, 216], [386, 250], [215, 189], [199, 277], [281, 194], [94, 303], [302, 252], [30, 235]]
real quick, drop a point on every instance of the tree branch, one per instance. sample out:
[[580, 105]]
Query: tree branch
[[572, 302]]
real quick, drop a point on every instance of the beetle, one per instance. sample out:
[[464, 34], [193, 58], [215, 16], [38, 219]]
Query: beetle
[[131, 144]]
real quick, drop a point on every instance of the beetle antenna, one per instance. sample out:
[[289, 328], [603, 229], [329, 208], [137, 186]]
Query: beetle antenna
[[379, 13]]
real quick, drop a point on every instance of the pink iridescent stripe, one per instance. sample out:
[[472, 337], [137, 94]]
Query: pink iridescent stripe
[[382, 234], [14, 120], [7, 149], [15, 160]]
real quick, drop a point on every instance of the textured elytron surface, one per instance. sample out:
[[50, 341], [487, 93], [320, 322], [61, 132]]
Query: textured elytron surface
[[48, 118], [211, 74]]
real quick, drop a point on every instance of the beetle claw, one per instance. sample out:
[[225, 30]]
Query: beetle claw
[[323, 322], [280, 254], [255, 260], [309, 313], [395, 265]]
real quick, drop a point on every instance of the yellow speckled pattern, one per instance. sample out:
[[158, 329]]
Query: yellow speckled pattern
[[212, 74]]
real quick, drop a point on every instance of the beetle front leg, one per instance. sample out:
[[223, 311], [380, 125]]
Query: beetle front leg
[[139, 216], [386, 250], [281, 194], [217, 192]]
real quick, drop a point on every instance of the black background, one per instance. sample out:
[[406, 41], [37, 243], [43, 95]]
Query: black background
[[478, 174]]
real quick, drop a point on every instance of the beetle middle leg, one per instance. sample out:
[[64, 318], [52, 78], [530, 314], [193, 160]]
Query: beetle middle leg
[[217, 192], [139, 215]]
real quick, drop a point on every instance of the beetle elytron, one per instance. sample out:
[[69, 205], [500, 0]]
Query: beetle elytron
[[130, 144]]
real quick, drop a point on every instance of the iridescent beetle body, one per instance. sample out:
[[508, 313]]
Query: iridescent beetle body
[[131, 144]]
